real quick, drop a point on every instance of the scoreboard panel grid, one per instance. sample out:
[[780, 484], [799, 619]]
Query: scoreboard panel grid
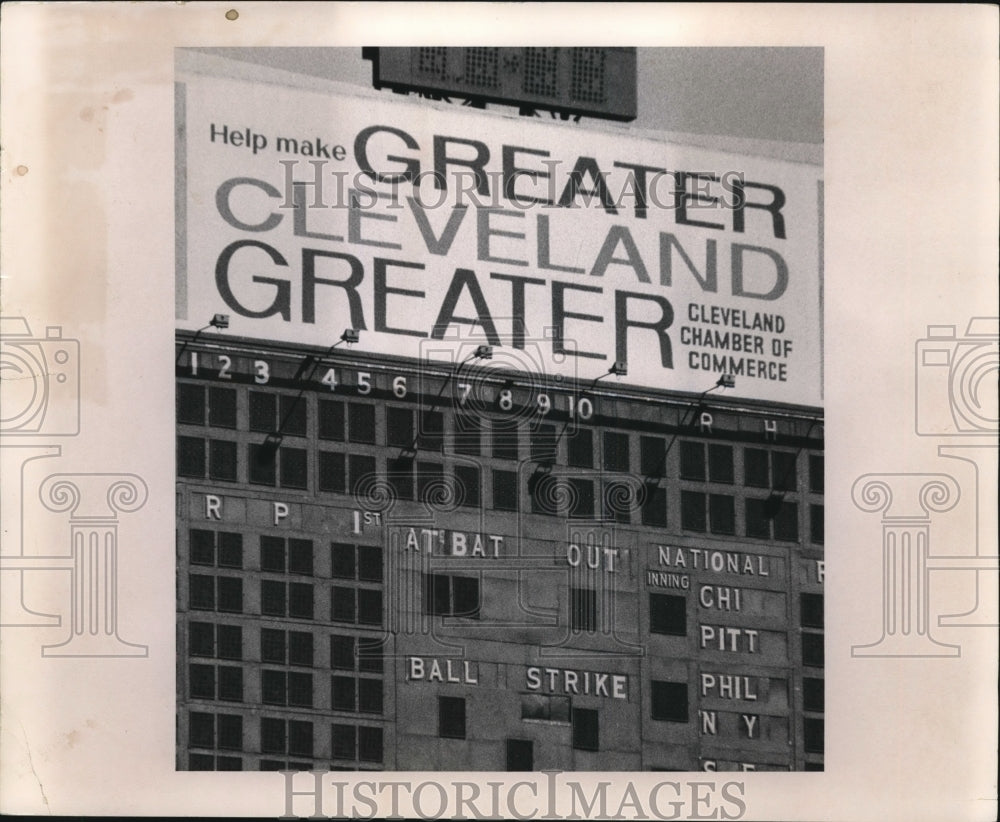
[[644, 591]]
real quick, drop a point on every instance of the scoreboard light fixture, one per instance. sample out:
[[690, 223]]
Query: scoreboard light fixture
[[350, 336], [482, 352], [726, 381], [220, 321], [619, 369]]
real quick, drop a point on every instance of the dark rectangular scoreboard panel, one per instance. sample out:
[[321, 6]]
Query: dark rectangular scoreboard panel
[[599, 82], [389, 565]]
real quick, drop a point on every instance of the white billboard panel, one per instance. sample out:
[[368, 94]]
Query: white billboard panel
[[301, 214]]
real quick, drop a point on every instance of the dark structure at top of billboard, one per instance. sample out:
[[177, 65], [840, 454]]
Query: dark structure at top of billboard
[[596, 82]]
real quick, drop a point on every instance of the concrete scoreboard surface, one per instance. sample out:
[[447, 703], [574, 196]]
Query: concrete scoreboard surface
[[698, 639]]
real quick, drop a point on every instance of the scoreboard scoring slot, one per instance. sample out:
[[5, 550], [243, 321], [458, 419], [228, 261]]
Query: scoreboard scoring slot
[[496, 394]]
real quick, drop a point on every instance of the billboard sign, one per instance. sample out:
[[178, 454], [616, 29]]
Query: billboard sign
[[301, 214]]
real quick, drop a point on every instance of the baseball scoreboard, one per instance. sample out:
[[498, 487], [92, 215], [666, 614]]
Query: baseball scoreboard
[[511, 455]]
